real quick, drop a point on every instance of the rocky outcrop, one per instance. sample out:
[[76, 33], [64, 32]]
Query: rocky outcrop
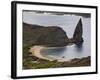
[[52, 36], [78, 31], [77, 36]]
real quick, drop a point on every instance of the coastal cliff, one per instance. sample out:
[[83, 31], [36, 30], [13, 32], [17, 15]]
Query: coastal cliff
[[77, 37], [51, 36]]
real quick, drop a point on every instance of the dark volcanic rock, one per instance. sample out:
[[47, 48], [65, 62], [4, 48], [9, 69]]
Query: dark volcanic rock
[[52, 36], [77, 37], [48, 36]]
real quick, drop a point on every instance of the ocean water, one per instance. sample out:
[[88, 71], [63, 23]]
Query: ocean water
[[68, 24]]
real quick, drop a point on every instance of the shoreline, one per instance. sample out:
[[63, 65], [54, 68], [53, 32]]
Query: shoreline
[[38, 61], [36, 51]]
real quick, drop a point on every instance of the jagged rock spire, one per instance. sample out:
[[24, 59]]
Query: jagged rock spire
[[78, 31]]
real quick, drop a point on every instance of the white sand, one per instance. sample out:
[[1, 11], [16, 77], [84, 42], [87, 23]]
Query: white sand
[[36, 51]]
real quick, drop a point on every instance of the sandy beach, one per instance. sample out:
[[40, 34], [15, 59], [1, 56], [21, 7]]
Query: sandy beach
[[36, 51], [38, 60]]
